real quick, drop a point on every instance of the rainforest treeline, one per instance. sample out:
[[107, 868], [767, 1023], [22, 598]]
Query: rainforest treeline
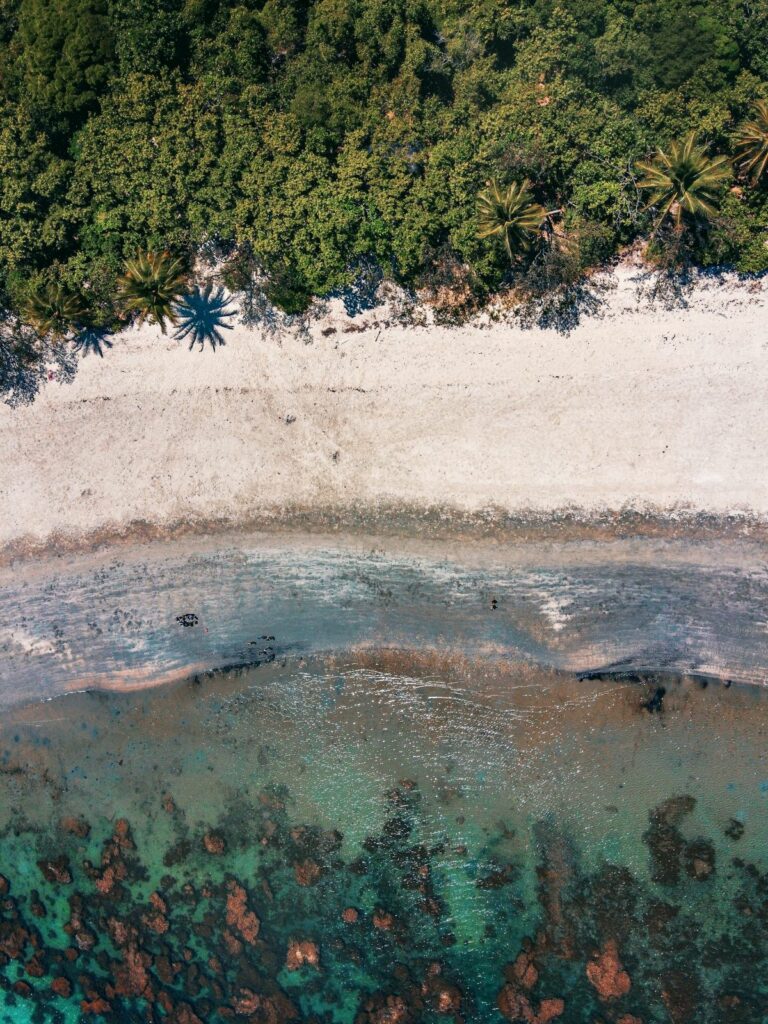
[[303, 140]]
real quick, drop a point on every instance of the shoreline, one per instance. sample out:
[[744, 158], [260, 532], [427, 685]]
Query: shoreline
[[410, 525], [641, 413], [112, 618]]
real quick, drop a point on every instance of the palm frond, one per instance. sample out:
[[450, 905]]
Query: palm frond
[[51, 309], [150, 285], [683, 180], [509, 212], [751, 140]]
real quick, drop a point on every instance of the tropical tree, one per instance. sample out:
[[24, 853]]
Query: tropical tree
[[201, 316], [151, 284], [683, 180], [51, 309], [510, 213], [751, 140]]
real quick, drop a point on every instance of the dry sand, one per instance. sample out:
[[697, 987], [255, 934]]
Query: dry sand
[[640, 407]]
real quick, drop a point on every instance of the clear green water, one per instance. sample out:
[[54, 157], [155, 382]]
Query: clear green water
[[467, 812]]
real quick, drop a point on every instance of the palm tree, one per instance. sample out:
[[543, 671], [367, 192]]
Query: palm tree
[[151, 284], [511, 213], [202, 316], [752, 143], [683, 180], [51, 309]]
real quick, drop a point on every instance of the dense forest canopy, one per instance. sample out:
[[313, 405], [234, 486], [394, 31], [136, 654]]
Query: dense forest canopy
[[308, 138]]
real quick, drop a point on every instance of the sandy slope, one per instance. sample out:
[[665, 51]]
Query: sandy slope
[[641, 406]]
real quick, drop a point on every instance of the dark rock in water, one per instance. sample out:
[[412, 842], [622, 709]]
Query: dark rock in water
[[655, 703], [664, 841], [441, 994], [681, 995], [385, 1009], [56, 870], [21, 988], [657, 920], [96, 1006], [13, 939], [75, 826], [301, 953], [213, 843], [734, 829], [307, 872], [700, 859], [239, 917], [383, 920], [516, 1006], [497, 879], [61, 987], [187, 619], [37, 908], [176, 854]]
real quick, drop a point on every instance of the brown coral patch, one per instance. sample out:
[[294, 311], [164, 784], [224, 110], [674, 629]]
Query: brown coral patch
[[239, 916], [606, 973]]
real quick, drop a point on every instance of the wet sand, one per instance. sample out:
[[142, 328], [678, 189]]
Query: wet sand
[[113, 618]]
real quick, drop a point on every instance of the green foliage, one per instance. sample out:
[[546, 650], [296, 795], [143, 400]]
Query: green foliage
[[66, 56], [682, 180], [151, 285], [314, 135]]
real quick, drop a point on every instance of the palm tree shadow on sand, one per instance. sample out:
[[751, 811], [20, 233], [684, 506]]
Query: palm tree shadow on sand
[[91, 339], [201, 317]]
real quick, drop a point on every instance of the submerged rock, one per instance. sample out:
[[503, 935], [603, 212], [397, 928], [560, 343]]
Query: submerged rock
[[61, 987], [606, 973], [213, 843], [307, 872], [56, 870], [239, 916], [700, 859], [75, 826], [301, 953]]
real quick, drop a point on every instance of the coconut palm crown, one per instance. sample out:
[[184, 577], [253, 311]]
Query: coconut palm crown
[[683, 180], [511, 213], [752, 143], [51, 309], [151, 284]]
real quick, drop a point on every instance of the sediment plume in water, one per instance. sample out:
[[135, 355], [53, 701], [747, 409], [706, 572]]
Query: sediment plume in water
[[380, 838]]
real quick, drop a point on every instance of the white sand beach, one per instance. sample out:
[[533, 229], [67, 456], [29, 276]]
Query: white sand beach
[[640, 407]]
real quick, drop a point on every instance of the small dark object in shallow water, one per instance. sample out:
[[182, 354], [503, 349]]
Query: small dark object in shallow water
[[656, 702], [734, 829], [187, 619]]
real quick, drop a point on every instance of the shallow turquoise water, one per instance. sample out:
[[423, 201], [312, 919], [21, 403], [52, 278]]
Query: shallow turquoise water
[[466, 812]]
